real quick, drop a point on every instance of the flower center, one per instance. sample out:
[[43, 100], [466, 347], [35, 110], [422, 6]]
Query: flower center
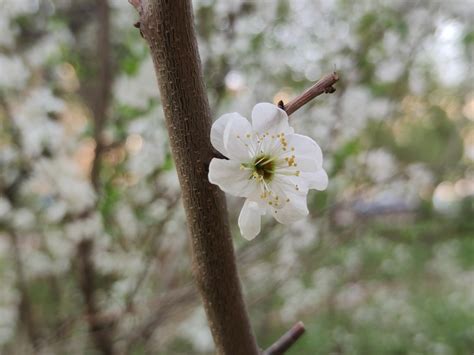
[[263, 167]]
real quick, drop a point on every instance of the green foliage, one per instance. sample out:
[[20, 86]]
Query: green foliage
[[111, 196], [424, 315], [351, 148]]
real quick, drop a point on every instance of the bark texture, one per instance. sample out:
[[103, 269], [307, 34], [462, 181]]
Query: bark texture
[[167, 26]]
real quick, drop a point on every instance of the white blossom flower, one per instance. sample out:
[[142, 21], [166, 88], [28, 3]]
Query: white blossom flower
[[268, 164]]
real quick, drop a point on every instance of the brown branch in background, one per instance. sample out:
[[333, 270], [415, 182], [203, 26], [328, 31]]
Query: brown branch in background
[[174, 304], [323, 86], [25, 306], [149, 246], [100, 327], [286, 341], [104, 84]]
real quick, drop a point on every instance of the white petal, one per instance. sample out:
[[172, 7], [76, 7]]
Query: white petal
[[292, 211], [250, 220], [230, 178], [317, 180], [308, 155], [217, 131], [270, 118], [292, 184], [238, 138]]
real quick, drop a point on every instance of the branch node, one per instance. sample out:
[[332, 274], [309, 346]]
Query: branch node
[[330, 90], [137, 25]]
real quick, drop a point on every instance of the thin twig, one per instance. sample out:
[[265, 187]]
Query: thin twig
[[168, 306], [323, 86], [148, 242], [286, 340]]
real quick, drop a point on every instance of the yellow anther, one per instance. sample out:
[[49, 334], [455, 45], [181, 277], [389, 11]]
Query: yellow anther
[[291, 161], [248, 135]]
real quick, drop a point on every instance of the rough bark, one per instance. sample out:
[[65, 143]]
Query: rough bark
[[167, 26]]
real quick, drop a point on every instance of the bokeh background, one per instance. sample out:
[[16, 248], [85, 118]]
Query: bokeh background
[[96, 244]]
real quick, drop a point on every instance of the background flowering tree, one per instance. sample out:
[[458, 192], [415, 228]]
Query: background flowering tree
[[93, 248]]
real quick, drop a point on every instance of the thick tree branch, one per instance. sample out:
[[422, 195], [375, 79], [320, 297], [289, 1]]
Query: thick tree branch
[[168, 28], [323, 86]]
